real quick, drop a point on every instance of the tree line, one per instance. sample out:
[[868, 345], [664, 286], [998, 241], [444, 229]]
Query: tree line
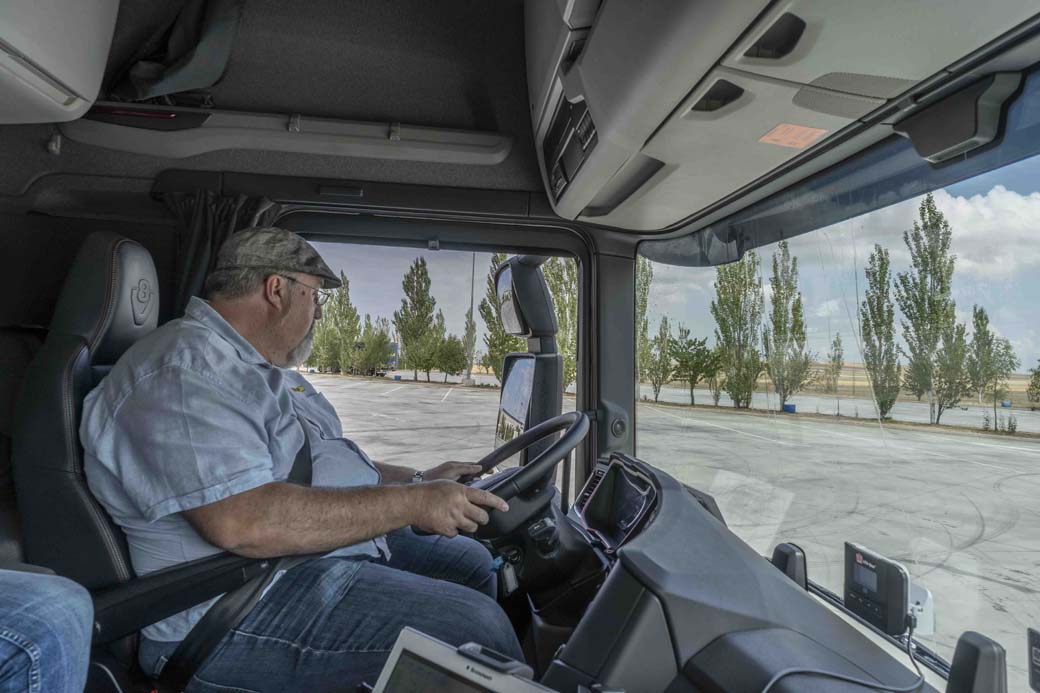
[[344, 343], [942, 363]]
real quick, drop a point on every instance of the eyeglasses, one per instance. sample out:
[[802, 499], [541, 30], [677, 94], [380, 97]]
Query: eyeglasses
[[321, 296]]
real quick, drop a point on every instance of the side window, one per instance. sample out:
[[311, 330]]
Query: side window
[[875, 382], [410, 350]]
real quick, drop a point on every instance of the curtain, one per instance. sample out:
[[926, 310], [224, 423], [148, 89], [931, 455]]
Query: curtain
[[189, 51], [207, 219]]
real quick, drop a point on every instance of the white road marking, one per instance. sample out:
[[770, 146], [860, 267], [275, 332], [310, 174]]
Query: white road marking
[[447, 393], [399, 387], [726, 428]]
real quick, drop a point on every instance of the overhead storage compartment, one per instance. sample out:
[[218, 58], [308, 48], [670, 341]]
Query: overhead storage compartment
[[728, 132], [52, 57], [877, 48]]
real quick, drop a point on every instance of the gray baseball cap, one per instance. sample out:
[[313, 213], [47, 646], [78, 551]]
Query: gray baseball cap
[[275, 249]]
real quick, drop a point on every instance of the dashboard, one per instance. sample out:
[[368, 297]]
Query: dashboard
[[687, 606]]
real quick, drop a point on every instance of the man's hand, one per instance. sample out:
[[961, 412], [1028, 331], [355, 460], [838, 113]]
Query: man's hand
[[445, 507], [452, 471]]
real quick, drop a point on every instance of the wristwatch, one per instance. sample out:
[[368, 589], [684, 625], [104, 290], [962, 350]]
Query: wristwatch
[[417, 477]]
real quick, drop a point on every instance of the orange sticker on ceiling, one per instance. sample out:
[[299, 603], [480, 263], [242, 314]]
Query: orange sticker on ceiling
[[791, 135]]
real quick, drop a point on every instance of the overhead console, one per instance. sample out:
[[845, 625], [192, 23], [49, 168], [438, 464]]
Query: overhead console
[[645, 113]]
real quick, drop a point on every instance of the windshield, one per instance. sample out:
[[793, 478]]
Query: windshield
[[875, 381]]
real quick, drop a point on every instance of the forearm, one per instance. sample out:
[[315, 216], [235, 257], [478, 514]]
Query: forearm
[[394, 474], [282, 519]]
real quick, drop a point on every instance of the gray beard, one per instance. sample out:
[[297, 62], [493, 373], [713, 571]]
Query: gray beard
[[302, 351]]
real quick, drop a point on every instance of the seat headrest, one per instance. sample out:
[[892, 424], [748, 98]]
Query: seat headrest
[[110, 296]]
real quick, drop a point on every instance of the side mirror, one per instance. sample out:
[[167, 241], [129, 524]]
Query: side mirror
[[509, 307]]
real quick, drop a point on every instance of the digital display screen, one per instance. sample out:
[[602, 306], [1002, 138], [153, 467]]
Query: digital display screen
[[514, 406], [413, 674], [864, 577]]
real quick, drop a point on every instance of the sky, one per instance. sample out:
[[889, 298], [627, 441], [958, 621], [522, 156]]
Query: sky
[[995, 222]]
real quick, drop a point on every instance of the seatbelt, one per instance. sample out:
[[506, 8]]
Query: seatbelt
[[234, 606]]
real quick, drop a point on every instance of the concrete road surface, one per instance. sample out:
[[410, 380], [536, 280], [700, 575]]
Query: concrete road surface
[[961, 511]]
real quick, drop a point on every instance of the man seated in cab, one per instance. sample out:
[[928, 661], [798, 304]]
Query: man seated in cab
[[189, 443]]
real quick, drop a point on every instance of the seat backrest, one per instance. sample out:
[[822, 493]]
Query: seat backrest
[[108, 301]]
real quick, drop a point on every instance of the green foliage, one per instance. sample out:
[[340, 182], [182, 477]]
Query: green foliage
[[950, 380], [497, 341], [414, 320], [835, 364], [923, 295], [659, 370], [787, 360], [877, 318], [644, 279], [694, 360], [1033, 391], [451, 357], [336, 334], [737, 309], [561, 275], [377, 347]]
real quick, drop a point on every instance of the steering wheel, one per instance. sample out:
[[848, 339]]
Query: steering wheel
[[511, 484]]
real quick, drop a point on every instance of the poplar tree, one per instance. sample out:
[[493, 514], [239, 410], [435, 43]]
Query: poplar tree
[[877, 327], [377, 348], [950, 379], [737, 309], [414, 320], [923, 295], [561, 276], [659, 370], [451, 357], [644, 280], [981, 352], [787, 360], [835, 363]]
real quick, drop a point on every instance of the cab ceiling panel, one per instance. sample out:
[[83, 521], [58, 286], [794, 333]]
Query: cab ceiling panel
[[324, 70], [655, 111]]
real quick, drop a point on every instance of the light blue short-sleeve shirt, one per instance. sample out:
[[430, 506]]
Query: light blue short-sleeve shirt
[[192, 414]]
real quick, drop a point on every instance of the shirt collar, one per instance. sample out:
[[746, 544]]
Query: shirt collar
[[200, 310]]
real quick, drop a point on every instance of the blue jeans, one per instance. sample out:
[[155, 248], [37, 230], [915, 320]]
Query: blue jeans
[[45, 629], [329, 624]]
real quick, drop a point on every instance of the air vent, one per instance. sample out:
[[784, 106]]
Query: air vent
[[780, 40], [721, 94], [590, 487]]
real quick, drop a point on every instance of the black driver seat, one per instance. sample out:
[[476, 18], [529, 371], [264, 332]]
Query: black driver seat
[[109, 300]]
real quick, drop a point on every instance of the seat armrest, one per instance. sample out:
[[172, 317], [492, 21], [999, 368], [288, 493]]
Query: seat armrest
[[132, 605], [25, 567]]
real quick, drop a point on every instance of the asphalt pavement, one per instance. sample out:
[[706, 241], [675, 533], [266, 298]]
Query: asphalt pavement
[[958, 509]]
